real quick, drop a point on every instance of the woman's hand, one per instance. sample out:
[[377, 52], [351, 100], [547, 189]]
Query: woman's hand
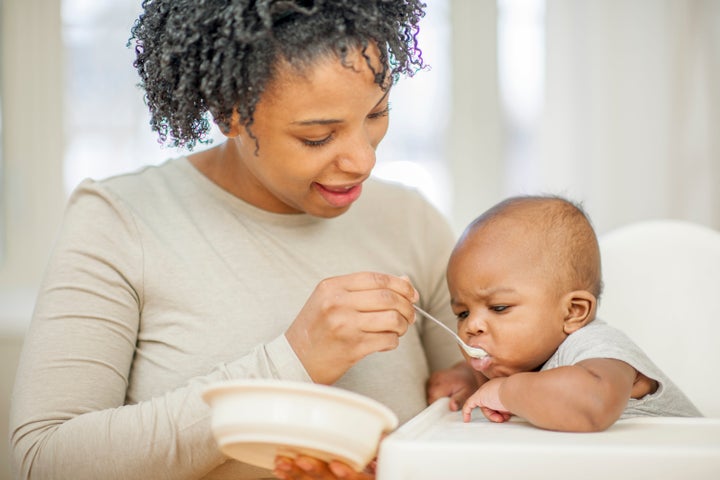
[[458, 383], [309, 468], [348, 317]]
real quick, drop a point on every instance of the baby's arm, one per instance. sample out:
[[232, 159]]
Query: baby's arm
[[588, 396]]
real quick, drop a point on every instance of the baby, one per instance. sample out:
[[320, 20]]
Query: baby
[[524, 281]]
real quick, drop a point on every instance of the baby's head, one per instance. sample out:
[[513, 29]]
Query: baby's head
[[523, 276]]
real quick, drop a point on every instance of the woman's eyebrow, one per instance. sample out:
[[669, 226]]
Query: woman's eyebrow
[[328, 121], [387, 92]]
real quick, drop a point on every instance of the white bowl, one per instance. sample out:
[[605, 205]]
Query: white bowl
[[255, 420]]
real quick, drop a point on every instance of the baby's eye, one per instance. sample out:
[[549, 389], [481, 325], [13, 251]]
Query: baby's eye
[[462, 315], [499, 308]]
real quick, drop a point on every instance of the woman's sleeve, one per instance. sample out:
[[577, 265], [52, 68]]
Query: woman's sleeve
[[68, 415]]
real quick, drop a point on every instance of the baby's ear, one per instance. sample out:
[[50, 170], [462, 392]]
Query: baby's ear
[[581, 306]]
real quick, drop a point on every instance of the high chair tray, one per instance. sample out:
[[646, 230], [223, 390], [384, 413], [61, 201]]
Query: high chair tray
[[438, 445]]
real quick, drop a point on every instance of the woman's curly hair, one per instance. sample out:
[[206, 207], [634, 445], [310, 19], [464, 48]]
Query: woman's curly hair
[[197, 57]]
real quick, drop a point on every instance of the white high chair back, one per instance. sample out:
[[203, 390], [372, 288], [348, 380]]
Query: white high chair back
[[662, 288]]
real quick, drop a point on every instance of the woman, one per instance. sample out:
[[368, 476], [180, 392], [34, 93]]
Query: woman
[[271, 255]]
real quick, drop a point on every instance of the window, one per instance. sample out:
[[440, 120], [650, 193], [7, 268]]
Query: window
[[2, 168], [106, 122], [2, 182], [413, 152], [521, 61], [2, 195]]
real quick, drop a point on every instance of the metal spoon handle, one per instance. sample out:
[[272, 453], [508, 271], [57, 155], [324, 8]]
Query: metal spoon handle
[[472, 351], [427, 315]]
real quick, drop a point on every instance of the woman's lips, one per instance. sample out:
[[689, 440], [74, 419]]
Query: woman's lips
[[339, 196]]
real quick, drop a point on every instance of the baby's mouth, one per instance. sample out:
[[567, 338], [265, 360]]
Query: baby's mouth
[[481, 364]]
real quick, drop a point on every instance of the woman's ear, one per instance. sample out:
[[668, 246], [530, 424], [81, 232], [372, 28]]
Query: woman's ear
[[233, 127], [581, 306]]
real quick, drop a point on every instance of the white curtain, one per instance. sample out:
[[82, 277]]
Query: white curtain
[[631, 121]]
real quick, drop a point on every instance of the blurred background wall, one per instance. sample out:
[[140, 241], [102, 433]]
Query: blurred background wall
[[613, 103]]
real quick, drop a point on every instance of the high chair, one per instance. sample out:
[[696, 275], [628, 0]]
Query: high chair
[[662, 288]]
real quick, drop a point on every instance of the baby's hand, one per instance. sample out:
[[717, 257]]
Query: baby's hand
[[457, 383], [487, 398]]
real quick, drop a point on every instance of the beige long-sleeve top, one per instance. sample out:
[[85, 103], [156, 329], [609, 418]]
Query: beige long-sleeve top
[[161, 283]]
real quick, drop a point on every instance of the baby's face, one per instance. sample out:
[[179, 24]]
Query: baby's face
[[505, 302]]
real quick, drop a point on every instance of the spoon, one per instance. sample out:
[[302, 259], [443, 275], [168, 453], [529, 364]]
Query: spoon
[[472, 351]]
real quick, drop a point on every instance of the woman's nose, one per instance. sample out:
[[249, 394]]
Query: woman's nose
[[358, 156]]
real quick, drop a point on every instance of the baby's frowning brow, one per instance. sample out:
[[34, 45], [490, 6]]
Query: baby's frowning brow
[[484, 293]]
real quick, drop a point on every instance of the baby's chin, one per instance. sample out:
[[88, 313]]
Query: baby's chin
[[483, 365], [490, 367]]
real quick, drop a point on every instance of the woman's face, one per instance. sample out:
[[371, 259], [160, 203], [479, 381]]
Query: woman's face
[[317, 131], [505, 301]]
